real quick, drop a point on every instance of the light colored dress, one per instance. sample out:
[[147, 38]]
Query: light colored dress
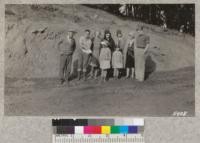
[[117, 60], [105, 58]]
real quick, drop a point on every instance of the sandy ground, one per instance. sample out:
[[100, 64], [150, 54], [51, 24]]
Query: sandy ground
[[161, 94], [32, 67]]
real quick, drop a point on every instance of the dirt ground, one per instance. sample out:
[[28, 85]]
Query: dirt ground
[[162, 94], [32, 66]]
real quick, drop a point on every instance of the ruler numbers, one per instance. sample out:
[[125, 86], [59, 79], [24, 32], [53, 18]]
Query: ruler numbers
[[83, 138]]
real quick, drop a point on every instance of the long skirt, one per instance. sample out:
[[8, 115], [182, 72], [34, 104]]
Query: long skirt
[[130, 59]]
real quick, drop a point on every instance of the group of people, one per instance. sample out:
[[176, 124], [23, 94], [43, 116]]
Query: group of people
[[105, 55]]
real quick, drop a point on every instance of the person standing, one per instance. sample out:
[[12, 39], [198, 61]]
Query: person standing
[[111, 45], [105, 59], [66, 47], [128, 52], [109, 39], [117, 62], [84, 53], [120, 42], [142, 45], [94, 63]]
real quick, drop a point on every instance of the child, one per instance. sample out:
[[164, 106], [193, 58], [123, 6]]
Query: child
[[129, 60], [104, 58], [117, 62], [120, 41]]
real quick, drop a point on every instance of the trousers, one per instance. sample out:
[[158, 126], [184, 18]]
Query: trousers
[[65, 66], [83, 59], [139, 64]]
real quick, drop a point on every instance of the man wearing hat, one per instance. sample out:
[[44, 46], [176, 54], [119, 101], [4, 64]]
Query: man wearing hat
[[142, 44], [66, 46]]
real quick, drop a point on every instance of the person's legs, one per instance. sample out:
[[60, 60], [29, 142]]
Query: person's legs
[[80, 63], [102, 74], [105, 75], [62, 67], [67, 67], [92, 72], [127, 72], [117, 73], [96, 71], [132, 72], [85, 64], [139, 64]]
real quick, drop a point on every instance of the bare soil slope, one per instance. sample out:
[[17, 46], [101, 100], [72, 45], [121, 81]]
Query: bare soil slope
[[32, 34]]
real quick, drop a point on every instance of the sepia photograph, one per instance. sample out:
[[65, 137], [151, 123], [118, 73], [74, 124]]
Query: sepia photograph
[[99, 60]]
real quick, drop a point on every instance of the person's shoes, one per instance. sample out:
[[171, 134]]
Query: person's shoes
[[91, 76], [95, 77], [62, 81], [133, 77], [67, 83]]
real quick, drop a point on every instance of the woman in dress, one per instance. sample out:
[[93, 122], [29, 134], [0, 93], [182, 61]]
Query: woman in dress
[[105, 59], [95, 55], [128, 53]]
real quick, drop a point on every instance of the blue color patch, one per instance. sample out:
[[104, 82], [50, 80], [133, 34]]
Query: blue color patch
[[123, 129], [132, 129]]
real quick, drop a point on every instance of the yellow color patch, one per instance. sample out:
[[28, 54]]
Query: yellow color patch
[[105, 129]]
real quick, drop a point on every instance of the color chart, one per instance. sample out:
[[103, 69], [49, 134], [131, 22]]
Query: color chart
[[98, 130]]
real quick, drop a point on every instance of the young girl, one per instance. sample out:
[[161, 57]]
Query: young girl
[[117, 62], [128, 52], [104, 58]]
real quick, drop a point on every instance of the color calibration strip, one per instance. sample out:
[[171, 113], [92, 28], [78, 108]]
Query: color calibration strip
[[98, 130]]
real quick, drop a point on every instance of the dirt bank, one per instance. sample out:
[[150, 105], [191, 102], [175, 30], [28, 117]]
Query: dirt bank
[[32, 34]]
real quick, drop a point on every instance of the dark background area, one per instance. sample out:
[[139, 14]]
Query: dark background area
[[176, 15]]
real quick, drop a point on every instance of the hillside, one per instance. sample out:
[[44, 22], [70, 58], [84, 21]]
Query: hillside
[[32, 66], [32, 33]]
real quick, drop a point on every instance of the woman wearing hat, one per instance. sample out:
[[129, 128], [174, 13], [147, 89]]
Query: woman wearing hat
[[105, 59], [128, 52]]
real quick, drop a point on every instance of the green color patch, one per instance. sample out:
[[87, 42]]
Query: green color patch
[[115, 129]]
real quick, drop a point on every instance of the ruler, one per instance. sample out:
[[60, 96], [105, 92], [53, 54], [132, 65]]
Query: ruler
[[125, 138]]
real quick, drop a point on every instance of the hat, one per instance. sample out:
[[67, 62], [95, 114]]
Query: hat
[[73, 31], [118, 32], [107, 31], [132, 33]]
